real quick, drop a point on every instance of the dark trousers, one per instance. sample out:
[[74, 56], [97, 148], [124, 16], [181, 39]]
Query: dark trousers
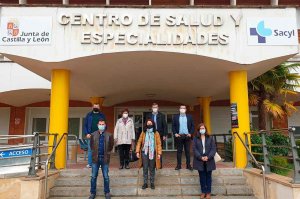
[[124, 153], [183, 142], [205, 180], [105, 170], [148, 166]]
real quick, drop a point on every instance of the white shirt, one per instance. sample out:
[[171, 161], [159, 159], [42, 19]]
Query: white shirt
[[203, 144]]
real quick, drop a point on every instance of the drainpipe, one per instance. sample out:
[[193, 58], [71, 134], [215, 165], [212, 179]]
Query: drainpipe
[[274, 2], [22, 1], [65, 2], [233, 2]]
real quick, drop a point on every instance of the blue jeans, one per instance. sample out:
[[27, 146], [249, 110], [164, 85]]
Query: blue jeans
[[205, 180], [89, 152], [105, 170]]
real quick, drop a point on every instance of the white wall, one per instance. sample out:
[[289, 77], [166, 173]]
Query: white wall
[[4, 122], [15, 77]]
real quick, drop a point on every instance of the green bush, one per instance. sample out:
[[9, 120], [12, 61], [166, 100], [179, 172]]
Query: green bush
[[298, 144], [273, 139], [280, 162]]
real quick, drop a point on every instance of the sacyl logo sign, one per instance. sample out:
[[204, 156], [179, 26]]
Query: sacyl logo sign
[[272, 31]]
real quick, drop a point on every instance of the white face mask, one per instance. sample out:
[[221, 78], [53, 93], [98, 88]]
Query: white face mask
[[202, 131], [154, 110], [125, 115], [182, 110]]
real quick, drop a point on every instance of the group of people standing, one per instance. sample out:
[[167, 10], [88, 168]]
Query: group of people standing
[[148, 147]]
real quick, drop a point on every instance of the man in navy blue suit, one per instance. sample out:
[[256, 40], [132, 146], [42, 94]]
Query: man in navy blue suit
[[183, 127]]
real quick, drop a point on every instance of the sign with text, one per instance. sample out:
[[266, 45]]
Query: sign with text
[[23, 31], [234, 116], [15, 153], [272, 31]]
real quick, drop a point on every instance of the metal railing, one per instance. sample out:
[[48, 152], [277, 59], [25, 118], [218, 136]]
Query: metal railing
[[224, 146], [235, 134], [267, 151], [36, 155], [51, 157]]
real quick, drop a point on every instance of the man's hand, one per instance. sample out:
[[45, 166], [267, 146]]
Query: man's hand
[[189, 135], [177, 135], [205, 158], [138, 155], [88, 136], [158, 156], [164, 138]]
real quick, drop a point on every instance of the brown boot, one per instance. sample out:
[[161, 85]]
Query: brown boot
[[202, 196], [208, 196]]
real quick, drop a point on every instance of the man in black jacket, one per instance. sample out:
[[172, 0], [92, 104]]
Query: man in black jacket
[[160, 124], [183, 129]]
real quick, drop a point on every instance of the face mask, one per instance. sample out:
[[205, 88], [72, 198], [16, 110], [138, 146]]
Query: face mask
[[149, 129], [96, 110], [101, 127], [125, 115], [182, 110], [202, 131], [155, 110]]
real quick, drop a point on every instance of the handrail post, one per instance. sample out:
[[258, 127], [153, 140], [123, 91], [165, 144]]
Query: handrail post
[[249, 165], [52, 160], [296, 179], [32, 171], [265, 153], [225, 150], [39, 152]]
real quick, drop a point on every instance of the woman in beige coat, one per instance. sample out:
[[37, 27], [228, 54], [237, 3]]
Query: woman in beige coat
[[124, 136]]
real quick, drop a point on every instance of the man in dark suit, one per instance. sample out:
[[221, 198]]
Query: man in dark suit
[[160, 124], [183, 128]]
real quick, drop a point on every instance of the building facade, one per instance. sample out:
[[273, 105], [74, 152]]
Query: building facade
[[60, 56]]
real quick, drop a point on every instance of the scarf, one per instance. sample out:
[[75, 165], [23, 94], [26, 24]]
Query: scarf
[[149, 143]]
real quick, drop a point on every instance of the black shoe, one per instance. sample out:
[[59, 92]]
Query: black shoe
[[152, 186], [189, 167], [145, 186], [178, 167], [92, 196], [121, 167]]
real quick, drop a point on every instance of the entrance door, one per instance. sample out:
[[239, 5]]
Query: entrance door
[[138, 114]]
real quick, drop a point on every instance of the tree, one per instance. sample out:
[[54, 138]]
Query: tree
[[270, 92]]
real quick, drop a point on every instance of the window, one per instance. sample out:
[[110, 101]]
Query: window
[[74, 126], [39, 125]]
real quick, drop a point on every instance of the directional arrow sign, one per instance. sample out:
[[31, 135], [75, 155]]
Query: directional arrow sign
[[15, 153]]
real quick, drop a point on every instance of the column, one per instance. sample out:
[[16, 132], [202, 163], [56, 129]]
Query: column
[[59, 112], [205, 104], [239, 95]]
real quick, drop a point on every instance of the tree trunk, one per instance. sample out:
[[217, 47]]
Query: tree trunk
[[261, 111]]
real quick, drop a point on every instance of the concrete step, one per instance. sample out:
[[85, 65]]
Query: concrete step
[[184, 184], [166, 197], [159, 180], [167, 190], [163, 172]]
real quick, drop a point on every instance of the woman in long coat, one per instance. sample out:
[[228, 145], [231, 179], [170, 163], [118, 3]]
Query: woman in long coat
[[149, 151], [204, 148]]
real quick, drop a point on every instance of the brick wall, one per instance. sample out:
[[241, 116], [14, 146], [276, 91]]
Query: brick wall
[[17, 123]]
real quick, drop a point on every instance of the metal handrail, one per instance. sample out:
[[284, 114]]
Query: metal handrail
[[47, 162], [256, 163]]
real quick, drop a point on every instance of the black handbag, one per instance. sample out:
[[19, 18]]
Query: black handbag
[[132, 156]]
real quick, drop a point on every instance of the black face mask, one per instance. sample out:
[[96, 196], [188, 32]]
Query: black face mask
[[95, 109], [149, 126]]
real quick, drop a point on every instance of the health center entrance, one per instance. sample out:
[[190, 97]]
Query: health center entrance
[[138, 114]]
